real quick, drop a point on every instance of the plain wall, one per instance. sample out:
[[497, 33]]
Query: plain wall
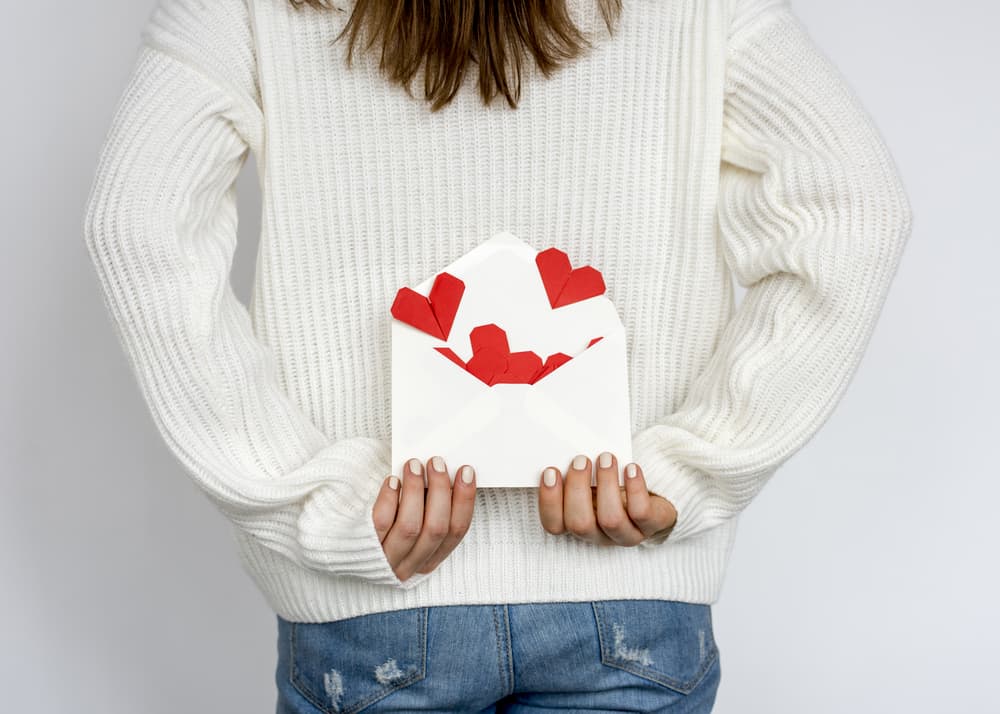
[[859, 581]]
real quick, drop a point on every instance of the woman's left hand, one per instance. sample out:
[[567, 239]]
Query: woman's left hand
[[607, 514]]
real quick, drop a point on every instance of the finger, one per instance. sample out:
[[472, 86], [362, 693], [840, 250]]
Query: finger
[[612, 517], [463, 502], [578, 503], [403, 534], [437, 518], [550, 501], [386, 504], [650, 515]]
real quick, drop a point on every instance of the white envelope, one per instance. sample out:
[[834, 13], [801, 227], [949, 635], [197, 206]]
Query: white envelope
[[510, 432]]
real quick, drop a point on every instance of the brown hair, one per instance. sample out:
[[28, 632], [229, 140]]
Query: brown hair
[[448, 34]]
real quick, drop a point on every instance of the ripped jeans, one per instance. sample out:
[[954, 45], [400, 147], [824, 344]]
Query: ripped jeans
[[594, 656]]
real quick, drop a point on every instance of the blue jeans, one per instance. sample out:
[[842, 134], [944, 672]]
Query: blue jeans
[[593, 656]]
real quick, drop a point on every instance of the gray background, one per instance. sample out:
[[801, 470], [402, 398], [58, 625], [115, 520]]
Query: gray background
[[860, 578]]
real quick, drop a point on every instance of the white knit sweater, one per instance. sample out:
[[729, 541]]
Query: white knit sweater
[[703, 139]]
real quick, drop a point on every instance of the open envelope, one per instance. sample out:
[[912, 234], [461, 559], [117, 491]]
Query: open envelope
[[509, 360]]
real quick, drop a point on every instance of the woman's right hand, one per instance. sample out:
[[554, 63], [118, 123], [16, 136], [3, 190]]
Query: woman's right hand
[[418, 531]]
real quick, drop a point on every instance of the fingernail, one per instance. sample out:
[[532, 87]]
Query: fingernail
[[549, 476], [631, 471], [604, 460], [416, 467], [467, 473], [393, 483], [580, 462], [438, 463]]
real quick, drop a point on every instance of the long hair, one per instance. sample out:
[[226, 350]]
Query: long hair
[[448, 35]]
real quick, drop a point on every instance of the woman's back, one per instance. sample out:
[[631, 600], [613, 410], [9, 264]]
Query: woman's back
[[615, 159]]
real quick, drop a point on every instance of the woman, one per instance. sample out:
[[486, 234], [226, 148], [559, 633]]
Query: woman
[[668, 143]]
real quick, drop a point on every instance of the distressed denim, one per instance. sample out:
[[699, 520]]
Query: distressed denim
[[594, 656]]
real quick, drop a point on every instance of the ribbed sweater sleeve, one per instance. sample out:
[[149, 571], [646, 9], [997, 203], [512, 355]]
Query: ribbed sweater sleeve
[[813, 219], [161, 227]]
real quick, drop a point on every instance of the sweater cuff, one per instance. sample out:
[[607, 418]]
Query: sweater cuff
[[336, 530], [683, 485]]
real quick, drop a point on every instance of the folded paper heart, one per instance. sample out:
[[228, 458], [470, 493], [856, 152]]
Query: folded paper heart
[[565, 285], [434, 314], [493, 363]]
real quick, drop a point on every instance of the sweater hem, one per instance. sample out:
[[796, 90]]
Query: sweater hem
[[521, 570]]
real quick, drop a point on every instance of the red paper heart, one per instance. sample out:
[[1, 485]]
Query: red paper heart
[[487, 365], [564, 284], [521, 368], [494, 363], [489, 352], [434, 315]]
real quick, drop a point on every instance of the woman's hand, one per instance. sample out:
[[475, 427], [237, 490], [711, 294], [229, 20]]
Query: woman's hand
[[419, 532], [606, 514]]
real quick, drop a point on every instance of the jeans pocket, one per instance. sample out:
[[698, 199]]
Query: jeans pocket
[[668, 642], [346, 665]]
